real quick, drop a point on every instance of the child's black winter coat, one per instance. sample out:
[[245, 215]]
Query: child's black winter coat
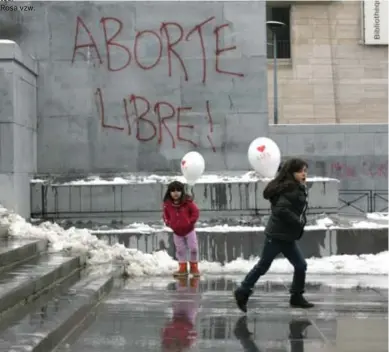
[[287, 218]]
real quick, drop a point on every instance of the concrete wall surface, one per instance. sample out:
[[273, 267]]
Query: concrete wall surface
[[133, 86], [142, 202], [227, 246], [18, 127], [357, 155]]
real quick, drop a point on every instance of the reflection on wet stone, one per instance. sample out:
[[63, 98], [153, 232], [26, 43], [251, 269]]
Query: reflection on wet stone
[[200, 315]]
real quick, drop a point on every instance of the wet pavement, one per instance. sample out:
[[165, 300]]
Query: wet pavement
[[200, 315]]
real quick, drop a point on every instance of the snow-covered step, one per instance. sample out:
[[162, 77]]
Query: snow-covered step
[[139, 197], [16, 252], [44, 329], [226, 243], [26, 282]]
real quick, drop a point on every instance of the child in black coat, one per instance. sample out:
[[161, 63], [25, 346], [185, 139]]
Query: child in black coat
[[288, 196]]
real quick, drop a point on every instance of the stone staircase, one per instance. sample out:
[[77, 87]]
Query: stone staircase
[[44, 296]]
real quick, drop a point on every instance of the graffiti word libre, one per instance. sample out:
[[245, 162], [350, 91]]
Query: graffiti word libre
[[165, 37], [149, 121]]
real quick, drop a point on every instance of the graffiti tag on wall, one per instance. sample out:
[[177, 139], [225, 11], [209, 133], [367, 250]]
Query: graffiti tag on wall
[[164, 111], [165, 37], [366, 169]]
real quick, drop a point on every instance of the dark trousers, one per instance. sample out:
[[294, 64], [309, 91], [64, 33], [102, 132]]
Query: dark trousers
[[272, 248]]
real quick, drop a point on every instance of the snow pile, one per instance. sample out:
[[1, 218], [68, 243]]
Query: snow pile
[[378, 216], [137, 263], [325, 223], [250, 176], [336, 264]]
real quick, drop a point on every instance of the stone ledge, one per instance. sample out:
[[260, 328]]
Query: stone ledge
[[328, 128], [225, 246], [9, 50], [143, 200]]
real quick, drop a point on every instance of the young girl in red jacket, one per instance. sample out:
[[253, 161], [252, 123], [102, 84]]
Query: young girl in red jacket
[[180, 213]]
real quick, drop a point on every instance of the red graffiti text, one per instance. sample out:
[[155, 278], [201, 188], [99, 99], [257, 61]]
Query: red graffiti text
[[153, 122], [365, 169], [165, 37]]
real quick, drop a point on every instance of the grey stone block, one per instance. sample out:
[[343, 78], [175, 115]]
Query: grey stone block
[[18, 126], [373, 128], [361, 241], [220, 246], [10, 51], [143, 200]]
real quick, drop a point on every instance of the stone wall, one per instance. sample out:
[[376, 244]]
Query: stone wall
[[18, 127], [331, 76], [133, 86], [357, 155]]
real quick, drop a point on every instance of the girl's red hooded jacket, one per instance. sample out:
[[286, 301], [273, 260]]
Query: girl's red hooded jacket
[[182, 217]]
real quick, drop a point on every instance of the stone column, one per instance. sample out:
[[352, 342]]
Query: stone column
[[18, 126]]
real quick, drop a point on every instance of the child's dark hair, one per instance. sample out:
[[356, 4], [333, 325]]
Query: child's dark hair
[[284, 179], [176, 186]]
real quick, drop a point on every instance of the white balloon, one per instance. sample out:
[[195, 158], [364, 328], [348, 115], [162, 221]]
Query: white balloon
[[264, 156], [192, 166]]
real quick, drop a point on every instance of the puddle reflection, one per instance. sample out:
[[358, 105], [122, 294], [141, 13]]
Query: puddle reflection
[[297, 329], [179, 332]]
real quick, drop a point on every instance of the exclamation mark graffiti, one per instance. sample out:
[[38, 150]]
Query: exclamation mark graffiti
[[127, 116], [210, 122]]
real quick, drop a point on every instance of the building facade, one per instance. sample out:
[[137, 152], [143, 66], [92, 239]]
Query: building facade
[[326, 74]]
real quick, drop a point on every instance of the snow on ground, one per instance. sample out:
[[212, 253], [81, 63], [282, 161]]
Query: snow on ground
[[250, 176], [137, 263], [378, 216]]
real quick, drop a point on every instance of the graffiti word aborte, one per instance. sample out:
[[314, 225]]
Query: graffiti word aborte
[[143, 110], [163, 37]]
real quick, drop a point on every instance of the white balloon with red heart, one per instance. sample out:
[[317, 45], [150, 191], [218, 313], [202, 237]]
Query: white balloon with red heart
[[192, 167], [264, 156]]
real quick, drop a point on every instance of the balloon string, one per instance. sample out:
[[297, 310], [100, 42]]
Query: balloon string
[[190, 191]]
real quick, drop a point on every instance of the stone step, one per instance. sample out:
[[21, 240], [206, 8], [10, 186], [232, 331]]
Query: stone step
[[28, 281], [17, 252], [51, 323], [17, 313], [224, 244]]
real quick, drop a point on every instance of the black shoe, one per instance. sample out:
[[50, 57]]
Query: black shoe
[[297, 328], [298, 301], [241, 297], [241, 331]]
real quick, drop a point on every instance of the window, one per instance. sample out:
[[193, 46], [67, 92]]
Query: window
[[281, 14]]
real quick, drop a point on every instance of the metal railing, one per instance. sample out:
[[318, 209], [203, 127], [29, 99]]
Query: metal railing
[[283, 49], [363, 201]]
